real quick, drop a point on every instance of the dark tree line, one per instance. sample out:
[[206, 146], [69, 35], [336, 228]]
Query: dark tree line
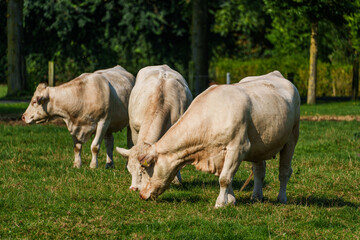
[[86, 35]]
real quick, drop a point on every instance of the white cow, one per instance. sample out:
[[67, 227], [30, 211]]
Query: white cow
[[252, 120], [91, 103], [160, 96]]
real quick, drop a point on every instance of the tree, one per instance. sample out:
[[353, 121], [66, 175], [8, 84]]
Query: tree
[[313, 12], [199, 35], [242, 24], [353, 24], [3, 42], [311, 95], [83, 36], [16, 61]]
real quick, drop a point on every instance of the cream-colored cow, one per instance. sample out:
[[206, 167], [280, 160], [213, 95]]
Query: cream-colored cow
[[91, 103], [252, 120], [160, 96]]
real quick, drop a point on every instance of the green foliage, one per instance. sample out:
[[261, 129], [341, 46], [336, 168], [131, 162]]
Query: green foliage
[[332, 79], [82, 36], [3, 90], [353, 23], [242, 24], [42, 196]]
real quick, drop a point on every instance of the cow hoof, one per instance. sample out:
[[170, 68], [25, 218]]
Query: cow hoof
[[282, 200], [77, 165], [219, 205], [93, 165], [231, 199], [256, 199], [109, 165]]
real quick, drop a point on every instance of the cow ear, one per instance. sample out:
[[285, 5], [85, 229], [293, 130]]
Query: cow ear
[[44, 96], [123, 152], [146, 160]]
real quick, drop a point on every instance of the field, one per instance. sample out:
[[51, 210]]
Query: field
[[41, 195]]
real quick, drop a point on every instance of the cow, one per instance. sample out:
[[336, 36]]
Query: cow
[[252, 120], [93, 103], [160, 96]]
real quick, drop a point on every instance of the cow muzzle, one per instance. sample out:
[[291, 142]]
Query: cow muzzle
[[133, 189], [27, 119], [146, 196]]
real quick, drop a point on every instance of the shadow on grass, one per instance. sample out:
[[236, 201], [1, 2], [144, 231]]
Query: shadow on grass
[[177, 198], [187, 193], [323, 202], [198, 183]]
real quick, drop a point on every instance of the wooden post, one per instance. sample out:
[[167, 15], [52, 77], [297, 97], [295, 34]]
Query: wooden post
[[51, 74], [228, 78]]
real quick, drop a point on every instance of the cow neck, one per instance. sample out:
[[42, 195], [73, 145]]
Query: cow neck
[[54, 108], [184, 146]]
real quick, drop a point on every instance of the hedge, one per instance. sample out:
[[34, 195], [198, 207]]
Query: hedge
[[332, 80]]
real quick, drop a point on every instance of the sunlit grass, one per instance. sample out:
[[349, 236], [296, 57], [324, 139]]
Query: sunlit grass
[[331, 108], [41, 195]]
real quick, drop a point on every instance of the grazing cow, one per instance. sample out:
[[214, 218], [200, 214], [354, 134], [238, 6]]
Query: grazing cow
[[160, 96], [91, 103], [251, 121]]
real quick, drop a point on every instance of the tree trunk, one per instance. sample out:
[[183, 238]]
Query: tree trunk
[[311, 96], [200, 45], [355, 79], [16, 62]]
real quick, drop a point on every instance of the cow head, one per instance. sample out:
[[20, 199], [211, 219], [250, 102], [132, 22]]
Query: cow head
[[159, 171], [134, 165], [37, 109]]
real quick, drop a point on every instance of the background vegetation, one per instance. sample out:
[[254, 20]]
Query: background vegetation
[[246, 37]]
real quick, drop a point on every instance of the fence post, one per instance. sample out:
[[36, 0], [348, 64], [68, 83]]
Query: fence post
[[228, 78], [51, 73]]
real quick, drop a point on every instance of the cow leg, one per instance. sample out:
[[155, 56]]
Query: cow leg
[[109, 143], [77, 152], [129, 138], [231, 164], [95, 145], [285, 169], [259, 169]]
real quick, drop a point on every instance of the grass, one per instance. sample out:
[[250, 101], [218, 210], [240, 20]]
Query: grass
[[13, 110], [41, 195], [331, 108]]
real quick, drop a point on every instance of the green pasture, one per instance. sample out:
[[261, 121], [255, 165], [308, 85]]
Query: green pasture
[[42, 196], [331, 108]]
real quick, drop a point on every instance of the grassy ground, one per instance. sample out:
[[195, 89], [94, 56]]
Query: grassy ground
[[41, 195], [331, 108]]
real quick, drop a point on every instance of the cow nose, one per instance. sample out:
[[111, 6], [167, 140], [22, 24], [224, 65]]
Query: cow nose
[[133, 189], [23, 117], [142, 197]]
